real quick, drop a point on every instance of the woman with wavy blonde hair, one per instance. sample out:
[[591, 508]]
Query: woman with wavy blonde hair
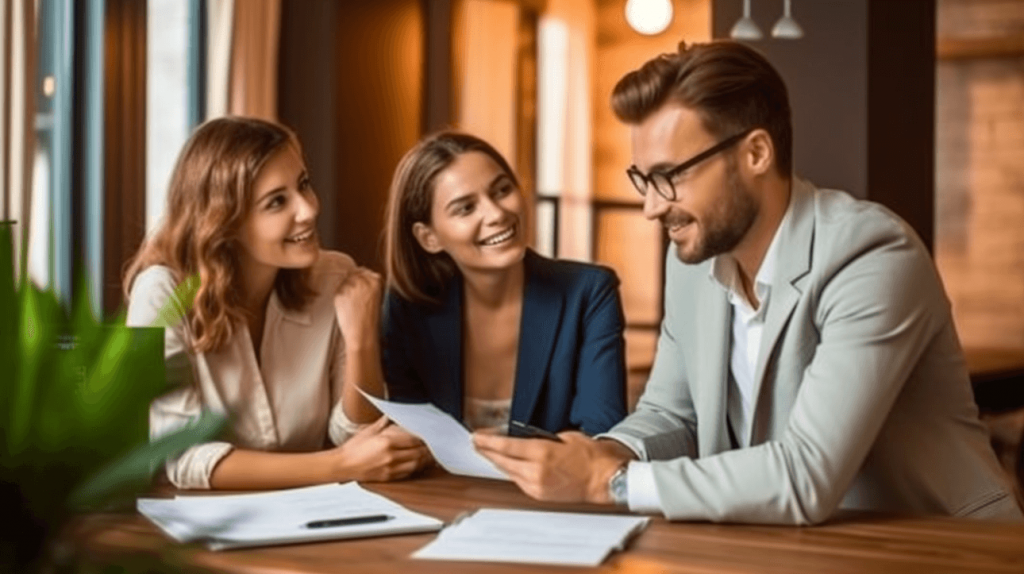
[[270, 329]]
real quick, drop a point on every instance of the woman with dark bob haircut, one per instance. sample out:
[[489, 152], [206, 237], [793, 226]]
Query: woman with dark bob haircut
[[268, 328], [479, 324]]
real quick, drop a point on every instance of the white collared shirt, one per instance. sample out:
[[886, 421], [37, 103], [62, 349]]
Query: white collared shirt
[[747, 329]]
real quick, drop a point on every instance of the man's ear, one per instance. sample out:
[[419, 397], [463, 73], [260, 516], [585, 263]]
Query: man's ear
[[759, 152], [426, 237]]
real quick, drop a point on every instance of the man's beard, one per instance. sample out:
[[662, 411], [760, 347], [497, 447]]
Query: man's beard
[[727, 225]]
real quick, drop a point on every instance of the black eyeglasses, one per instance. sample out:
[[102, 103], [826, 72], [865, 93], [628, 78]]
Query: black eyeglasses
[[662, 179]]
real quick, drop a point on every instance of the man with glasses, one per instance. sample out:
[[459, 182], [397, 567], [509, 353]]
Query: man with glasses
[[807, 357]]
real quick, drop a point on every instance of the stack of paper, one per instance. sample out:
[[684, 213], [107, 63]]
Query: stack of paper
[[329, 511], [565, 538]]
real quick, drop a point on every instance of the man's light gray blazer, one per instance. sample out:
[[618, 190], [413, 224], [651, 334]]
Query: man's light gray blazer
[[861, 394]]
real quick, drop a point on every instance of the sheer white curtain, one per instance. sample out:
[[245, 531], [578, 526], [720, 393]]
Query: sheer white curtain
[[17, 114], [220, 21], [242, 56]]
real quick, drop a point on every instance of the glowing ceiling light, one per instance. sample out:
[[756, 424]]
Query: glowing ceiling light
[[649, 17]]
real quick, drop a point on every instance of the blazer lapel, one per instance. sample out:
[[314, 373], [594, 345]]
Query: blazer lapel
[[793, 262], [539, 322], [446, 341], [712, 355]]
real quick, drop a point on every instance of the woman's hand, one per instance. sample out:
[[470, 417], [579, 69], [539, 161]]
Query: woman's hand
[[357, 305], [379, 452]]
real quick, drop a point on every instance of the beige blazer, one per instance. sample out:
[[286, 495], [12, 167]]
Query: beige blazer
[[861, 395]]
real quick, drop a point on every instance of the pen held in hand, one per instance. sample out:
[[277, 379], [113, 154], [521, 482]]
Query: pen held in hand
[[521, 429], [350, 521]]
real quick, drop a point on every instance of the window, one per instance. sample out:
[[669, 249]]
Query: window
[[169, 118]]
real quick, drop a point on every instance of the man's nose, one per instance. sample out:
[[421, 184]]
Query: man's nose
[[654, 204]]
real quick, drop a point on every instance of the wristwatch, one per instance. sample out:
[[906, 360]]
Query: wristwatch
[[617, 488]]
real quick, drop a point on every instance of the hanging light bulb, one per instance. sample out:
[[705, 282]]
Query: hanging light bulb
[[745, 28], [649, 17], [787, 27]]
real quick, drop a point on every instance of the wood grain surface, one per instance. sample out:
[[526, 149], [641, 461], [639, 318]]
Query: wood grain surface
[[852, 542]]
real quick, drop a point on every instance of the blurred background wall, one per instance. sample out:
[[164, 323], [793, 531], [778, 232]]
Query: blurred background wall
[[915, 104]]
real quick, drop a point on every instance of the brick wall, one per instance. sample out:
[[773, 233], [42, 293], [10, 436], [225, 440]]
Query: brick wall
[[979, 246]]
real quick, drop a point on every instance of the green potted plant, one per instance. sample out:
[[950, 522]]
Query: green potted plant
[[74, 398]]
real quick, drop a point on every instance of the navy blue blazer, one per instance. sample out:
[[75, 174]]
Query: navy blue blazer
[[570, 368]]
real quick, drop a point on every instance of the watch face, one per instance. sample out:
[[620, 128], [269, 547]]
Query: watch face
[[617, 487]]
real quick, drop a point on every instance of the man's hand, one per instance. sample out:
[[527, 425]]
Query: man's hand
[[575, 470]]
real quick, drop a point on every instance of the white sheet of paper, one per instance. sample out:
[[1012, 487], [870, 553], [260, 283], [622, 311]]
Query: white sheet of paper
[[280, 517], [525, 536], [449, 442]]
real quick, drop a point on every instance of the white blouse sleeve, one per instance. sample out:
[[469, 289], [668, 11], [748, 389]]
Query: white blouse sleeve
[[334, 268], [340, 428], [152, 304]]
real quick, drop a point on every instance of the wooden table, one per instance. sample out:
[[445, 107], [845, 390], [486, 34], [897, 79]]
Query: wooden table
[[854, 543]]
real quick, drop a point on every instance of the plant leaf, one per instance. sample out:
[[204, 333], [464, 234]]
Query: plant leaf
[[135, 468], [177, 305], [33, 329]]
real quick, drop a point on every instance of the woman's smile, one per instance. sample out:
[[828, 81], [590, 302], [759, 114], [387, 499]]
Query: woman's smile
[[501, 237]]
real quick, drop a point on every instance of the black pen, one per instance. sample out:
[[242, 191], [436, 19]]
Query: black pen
[[351, 521], [521, 429]]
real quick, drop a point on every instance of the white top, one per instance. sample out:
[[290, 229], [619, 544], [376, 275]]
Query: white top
[[747, 328], [487, 413], [289, 401]]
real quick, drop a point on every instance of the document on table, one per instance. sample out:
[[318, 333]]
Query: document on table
[[449, 441], [283, 516], [564, 538]]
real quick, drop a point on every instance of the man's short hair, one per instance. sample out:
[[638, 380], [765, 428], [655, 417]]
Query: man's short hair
[[731, 86]]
